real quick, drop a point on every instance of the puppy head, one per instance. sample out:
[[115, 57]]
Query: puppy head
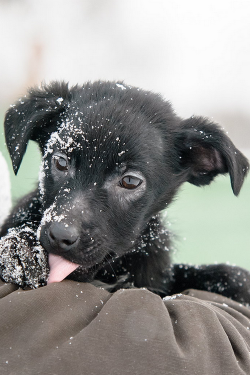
[[113, 156], [101, 173]]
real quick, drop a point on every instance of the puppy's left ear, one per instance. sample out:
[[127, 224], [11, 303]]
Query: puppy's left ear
[[205, 151], [32, 117]]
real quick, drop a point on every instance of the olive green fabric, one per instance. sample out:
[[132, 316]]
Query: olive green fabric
[[76, 328]]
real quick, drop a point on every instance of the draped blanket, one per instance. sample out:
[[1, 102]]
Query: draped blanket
[[77, 328]]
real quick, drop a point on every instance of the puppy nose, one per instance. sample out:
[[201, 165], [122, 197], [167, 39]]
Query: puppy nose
[[62, 236]]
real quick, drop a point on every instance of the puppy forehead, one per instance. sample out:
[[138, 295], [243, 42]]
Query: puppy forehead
[[77, 133]]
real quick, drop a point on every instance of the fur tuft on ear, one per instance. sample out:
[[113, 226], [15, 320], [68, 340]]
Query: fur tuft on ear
[[31, 113], [206, 151]]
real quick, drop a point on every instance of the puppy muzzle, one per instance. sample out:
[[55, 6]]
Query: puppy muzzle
[[63, 237]]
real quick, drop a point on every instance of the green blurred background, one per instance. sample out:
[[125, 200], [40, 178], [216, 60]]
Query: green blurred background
[[210, 224]]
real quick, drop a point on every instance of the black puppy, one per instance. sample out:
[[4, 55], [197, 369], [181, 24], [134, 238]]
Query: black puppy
[[113, 157]]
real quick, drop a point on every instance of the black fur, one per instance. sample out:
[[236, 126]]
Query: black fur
[[114, 156]]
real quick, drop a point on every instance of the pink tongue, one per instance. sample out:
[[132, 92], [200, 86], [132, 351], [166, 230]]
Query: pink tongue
[[59, 268]]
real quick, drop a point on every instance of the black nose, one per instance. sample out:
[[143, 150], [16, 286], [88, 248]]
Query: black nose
[[63, 236]]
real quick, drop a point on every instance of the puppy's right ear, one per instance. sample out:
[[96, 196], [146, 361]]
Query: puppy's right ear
[[31, 117], [205, 151]]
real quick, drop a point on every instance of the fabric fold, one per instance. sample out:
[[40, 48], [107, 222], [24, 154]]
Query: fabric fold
[[77, 328]]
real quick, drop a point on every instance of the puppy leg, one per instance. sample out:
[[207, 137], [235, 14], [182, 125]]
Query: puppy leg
[[229, 281], [23, 261]]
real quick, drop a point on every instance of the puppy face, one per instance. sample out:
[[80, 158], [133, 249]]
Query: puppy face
[[100, 182]]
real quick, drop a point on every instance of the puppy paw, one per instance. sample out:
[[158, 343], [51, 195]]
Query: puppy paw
[[23, 260]]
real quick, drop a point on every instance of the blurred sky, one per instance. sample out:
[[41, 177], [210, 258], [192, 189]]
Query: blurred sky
[[196, 53]]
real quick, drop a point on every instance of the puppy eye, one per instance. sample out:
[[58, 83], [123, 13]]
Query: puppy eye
[[61, 163], [130, 182]]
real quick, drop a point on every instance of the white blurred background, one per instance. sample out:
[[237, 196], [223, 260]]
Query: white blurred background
[[195, 53]]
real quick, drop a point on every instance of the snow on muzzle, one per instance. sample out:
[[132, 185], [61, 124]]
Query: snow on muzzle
[[61, 238]]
